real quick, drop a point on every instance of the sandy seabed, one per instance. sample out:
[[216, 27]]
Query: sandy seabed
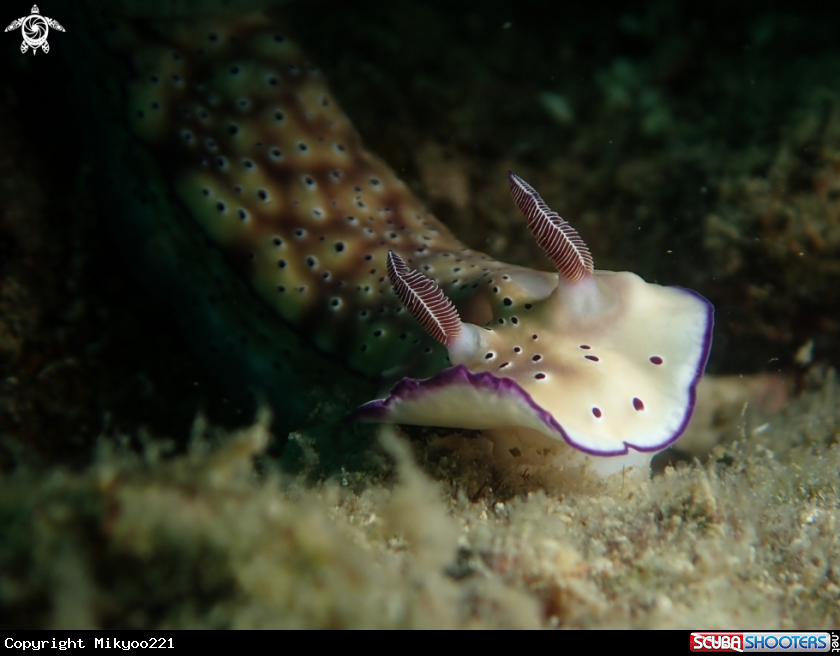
[[748, 539]]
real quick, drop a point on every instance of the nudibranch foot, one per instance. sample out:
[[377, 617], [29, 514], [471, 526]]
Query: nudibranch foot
[[529, 450]]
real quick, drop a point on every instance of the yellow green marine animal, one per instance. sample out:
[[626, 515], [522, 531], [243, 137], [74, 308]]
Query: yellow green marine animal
[[348, 272]]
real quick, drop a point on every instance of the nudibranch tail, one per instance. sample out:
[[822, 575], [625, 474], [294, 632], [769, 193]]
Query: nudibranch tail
[[425, 300], [556, 237], [271, 173]]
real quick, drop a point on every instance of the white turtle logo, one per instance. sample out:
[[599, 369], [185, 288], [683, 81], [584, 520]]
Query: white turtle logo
[[34, 29]]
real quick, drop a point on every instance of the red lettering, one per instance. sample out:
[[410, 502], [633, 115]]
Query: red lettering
[[716, 642]]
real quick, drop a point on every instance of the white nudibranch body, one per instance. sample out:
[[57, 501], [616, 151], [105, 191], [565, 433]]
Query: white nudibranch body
[[603, 374], [587, 296], [469, 346]]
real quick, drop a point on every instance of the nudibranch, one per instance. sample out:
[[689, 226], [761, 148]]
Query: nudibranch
[[602, 361], [272, 174]]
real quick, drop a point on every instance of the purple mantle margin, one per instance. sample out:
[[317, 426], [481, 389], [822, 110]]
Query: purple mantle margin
[[408, 389]]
